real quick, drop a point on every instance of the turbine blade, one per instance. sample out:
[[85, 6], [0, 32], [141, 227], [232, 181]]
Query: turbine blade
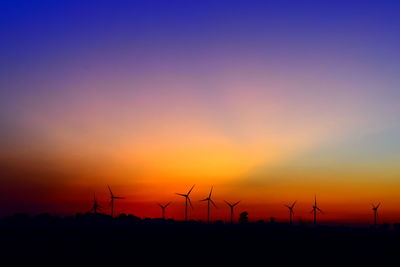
[[204, 199], [287, 206], [190, 190], [236, 203], [378, 205], [227, 203], [109, 189], [209, 196], [182, 195], [168, 204], [190, 202], [320, 210], [119, 197], [212, 202], [294, 203]]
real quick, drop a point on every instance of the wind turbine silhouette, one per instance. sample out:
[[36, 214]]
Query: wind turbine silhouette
[[314, 210], [375, 209], [187, 198], [209, 200], [163, 209], [112, 200], [96, 205], [231, 206], [291, 207]]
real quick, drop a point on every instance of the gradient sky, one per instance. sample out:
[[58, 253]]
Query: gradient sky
[[269, 101]]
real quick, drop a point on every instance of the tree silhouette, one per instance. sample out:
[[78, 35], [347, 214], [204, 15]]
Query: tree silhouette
[[243, 217]]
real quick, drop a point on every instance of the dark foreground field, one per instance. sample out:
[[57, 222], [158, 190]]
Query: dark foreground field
[[97, 240]]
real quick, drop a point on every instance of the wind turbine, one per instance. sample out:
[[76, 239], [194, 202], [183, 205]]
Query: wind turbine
[[291, 207], [314, 210], [209, 200], [96, 205], [231, 206], [163, 208], [112, 200], [375, 209], [187, 199]]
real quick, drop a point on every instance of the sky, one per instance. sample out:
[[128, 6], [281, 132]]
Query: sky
[[268, 101]]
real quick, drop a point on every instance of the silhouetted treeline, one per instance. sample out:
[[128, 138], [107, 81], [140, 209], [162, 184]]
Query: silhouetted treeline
[[105, 220], [90, 239]]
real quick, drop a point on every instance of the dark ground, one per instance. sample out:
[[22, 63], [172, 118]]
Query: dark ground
[[88, 240]]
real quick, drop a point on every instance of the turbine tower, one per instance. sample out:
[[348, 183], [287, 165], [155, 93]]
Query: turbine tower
[[231, 206], [375, 209], [187, 199], [163, 209], [96, 205], [112, 197], [209, 200], [291, 207], [314, 210]]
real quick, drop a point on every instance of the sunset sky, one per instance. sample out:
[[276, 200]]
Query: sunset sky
[[269, 101]]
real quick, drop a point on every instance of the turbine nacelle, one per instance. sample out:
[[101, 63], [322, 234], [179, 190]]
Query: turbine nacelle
[[315, 207], [375, 207], [164, 206], [291, 207], [232, 205], [187, 198], [112, 197], [209, 200]]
